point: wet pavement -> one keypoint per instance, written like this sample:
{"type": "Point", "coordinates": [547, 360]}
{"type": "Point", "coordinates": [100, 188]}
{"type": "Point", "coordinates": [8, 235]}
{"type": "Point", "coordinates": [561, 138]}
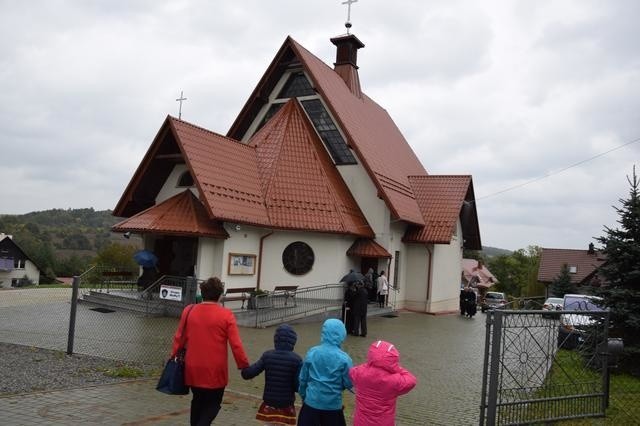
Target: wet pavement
{"type": "Point", "coordinates": [444, 352]}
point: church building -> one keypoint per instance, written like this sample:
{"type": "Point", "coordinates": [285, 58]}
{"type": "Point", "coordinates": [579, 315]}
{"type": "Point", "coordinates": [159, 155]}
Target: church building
{"type": "Point", "coordinates": [313, 179]}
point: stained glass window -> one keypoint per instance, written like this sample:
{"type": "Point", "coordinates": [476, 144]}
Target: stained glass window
{"type": "Point", "coordinates": [297, 85]}
{"type": "Point", "coordinates": [328, 132]}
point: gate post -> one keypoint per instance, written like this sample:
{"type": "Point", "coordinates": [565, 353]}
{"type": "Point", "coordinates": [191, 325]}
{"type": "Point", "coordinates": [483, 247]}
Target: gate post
{"type": "Point", "coordinates": [494, 367]}
{"type": "Point", "coordinates": [605, 364]}
{"type": "Point", "coordinates": [485, 366]}
{"type": "Point", "coordinates": [72, 314]}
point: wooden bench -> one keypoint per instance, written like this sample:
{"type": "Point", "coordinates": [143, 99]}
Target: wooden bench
{"type": "Point", "coordinates": [241, 293]}
{"type": "Point", "coordinates": [289, 292]}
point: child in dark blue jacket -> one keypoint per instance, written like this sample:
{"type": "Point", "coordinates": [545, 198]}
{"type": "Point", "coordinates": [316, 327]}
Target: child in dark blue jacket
{"type": "Point", "coordinates": [282, 367]}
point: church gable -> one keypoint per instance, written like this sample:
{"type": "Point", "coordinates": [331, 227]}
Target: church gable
{"type": "Point", "coordinates": [153, 171]}
{"type": "Point", "coordinates": [353, 128]}
{"type": "Point", "coordinates": [301, 187]}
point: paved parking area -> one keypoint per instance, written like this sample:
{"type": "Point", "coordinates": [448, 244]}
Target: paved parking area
{"type": "Point", "coordinates": [444, 352]}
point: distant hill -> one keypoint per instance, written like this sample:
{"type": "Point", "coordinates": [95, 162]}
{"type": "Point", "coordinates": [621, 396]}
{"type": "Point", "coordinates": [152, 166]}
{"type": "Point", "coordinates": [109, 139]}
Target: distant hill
{"type": "Point", "coordinates": [494, 251]}
{"type": "Point", "coordinates": [63, 242]}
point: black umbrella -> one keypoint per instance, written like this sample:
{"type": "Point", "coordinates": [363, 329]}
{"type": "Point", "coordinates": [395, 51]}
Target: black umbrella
{"type": "Point", "coordinates": [352, 277]}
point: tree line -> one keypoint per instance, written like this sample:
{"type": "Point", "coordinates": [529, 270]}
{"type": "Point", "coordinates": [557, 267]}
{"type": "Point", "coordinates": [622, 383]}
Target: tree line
{"type": "Point", "coordinates": [66, 242]}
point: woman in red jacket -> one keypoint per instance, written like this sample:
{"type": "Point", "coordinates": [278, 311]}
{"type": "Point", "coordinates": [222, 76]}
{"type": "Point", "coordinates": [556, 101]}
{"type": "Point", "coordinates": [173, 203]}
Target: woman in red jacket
{"type": "Point", "coordinates": [209, 329]}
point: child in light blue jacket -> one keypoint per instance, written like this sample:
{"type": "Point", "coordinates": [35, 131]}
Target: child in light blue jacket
{"type": "Point", "coordinates": [323, 378]}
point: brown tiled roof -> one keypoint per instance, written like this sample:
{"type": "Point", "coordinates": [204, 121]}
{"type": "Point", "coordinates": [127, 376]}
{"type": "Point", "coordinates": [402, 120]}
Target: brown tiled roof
{"type": "Point", "coordinates": [552, 260]}
{"type": "Point", "coordinates": [301, 186]}
{"type": "Point", "coordinates": [441, 200]}
{"type": "Point", "coordinates": [372, 134]}
{"type": "Point", "coordinates": [182, 214]}
{"type": "Point", "coordinates": [226, 173]}
{"type": "Point", "coordinates": [368, 128]}
{"type": "Point", "coordinates": [366, 247]}
{"type": "Point", "coordinates": [282, 179]}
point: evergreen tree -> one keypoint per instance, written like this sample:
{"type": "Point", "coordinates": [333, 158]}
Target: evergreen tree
{"type": "Point", "coordinates": [562, 284]}
{"type": "Point", "coordinates": [621, 275]}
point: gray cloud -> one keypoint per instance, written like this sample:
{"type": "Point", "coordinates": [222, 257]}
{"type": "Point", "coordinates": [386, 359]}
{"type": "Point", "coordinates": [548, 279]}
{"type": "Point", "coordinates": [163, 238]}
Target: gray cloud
{"type": "Point", "coordinates": [505, 91]}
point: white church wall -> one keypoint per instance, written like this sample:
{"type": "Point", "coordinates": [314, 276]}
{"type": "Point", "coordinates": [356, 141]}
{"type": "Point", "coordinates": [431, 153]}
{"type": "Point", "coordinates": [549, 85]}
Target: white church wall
{"type": "Point", "coordinates": [365, 194]}
{"type": "Point", "coordinates": [447, 267]}
{"type": "Point", "coordinates": [417, 278]}
{"type": "Point", "coordinates": [209, 261]}
{"type": "Point", "coordinates": [395, 268]}
{"type": "Point", "coordinates": [244, 240]}
{"type": "Point", "coordinates": [170, 187]}
{"type": "Point", "coordinates": [331, 261]}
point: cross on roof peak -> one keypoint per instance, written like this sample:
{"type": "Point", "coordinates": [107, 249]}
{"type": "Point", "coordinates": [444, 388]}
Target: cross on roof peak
{"type": "Point", "coordinates": [180, 99]}
{"type": "Point", "coordinates": [348, 3]}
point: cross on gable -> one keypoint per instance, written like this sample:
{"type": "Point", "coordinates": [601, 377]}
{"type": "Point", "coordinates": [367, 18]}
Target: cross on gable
{"type": "Point", "coordinates": [180, 99]}
{"type": "Point", "coordinates": [348, 3]}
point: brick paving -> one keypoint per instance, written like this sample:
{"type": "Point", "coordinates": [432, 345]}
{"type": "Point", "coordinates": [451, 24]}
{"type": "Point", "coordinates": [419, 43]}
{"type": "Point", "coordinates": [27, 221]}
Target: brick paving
{"type": "Point", "coordinates": [444, 352]}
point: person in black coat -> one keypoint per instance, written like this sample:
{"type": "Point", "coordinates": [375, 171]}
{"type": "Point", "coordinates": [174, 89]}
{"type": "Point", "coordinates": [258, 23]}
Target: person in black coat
{"type": "Point", "coordinates": [360, 302]}
{"type": "Point", "coordinates": [469, 301]}
{"type": "Point", "coordinates": [349, 300]}
{"type": "Point", "coordinates": [282, 368]}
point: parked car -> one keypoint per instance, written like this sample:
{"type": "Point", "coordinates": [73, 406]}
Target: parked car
{"type": "Point", "coordinates": [493, 300]}
{"type": "Point", "coordinates": [552, 304]}
{"type": "Point", "coordinates": [573, 328]}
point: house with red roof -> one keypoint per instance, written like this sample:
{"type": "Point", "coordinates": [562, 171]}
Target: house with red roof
{"type": "Point", "coordinates": [312, 179]}
{"type": "Point", "coordinates": [582, 266]}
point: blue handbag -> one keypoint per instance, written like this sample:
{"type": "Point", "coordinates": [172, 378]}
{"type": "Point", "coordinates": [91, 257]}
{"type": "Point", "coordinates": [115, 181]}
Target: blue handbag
{"type": "Point", "coordinates": [172, 379]}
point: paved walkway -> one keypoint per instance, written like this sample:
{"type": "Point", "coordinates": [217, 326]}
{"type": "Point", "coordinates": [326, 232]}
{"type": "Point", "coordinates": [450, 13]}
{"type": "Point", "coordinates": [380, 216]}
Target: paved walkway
{"type": "Point", "coordinates": [129, 403]}
{"type": "Point", "coordinates": [444, 352]}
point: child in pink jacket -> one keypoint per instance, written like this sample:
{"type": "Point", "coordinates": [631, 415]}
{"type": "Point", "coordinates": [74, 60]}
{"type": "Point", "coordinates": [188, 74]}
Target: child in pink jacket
{"type": "Point", "coordinates": [378, 384]}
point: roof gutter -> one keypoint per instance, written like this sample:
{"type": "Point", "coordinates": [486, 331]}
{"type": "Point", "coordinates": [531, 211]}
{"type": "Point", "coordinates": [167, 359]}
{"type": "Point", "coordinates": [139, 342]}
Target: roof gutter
{"type": "Point", "coordinates": [260, 258]}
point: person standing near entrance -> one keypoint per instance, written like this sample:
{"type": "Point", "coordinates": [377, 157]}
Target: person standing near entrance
{"type": "Point", "coordinates": [383, 290]}
{"type": "Point", "coordinates": [360, 302]}
{"type": "Point", "coordinates": [370, 284]}
{"type": "Point", "coordinates": [210, 328]}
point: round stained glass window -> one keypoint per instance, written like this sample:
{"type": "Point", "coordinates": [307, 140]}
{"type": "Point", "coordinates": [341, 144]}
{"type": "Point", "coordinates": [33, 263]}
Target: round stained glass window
{"type": "Point", "coordinates": [298, 258]}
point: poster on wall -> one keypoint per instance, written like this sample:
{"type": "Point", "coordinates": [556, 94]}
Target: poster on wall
{"type": "Point", "coordinates": [242, 264]}
{"type": "Point", "coordinates": [169, 292]}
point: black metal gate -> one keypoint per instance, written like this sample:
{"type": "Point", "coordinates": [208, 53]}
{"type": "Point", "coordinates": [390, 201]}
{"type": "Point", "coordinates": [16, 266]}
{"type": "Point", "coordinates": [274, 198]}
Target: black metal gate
{"type": "Point", "coordinates": [544, 366]}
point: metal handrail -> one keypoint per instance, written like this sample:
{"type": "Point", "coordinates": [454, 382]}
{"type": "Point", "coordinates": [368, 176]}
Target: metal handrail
{"type": "Point", "coordinates": [283, 305]}
{"type": "Point", "coordinates": [93, 280]}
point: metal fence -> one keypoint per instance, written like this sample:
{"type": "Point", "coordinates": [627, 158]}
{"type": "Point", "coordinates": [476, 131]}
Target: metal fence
{"type": "Point", "coordinates": [280, 305]}
{"type": "Point", "coordinates": [41, 317]}
{"type": "Point", "coordinates": [115, 319]}
{"type": "Point", "coordinates": [537, 370]}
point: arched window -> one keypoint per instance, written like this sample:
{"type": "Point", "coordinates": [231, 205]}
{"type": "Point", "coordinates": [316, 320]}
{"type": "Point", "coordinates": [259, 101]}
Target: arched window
{"type": "Point", "coordinates": [186, 180]}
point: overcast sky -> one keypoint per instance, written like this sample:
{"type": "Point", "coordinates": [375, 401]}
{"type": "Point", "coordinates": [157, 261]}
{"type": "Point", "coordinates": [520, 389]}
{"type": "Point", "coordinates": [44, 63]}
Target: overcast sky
{"type": "Point", "coordinates": [507, 91]}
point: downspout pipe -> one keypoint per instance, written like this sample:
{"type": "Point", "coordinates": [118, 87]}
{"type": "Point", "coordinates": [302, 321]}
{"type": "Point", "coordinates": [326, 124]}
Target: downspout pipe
{"type": "Point", "coordinates": [260, 258]}
{"type": "Point", "coordinates": [429, 273]}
